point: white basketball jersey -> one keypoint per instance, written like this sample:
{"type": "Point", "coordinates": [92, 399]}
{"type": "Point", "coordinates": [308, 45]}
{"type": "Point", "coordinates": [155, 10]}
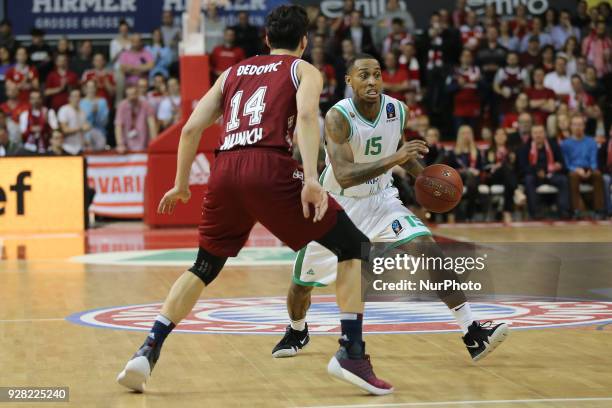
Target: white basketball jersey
{"type": "Point", "coordinates": [369, 141]}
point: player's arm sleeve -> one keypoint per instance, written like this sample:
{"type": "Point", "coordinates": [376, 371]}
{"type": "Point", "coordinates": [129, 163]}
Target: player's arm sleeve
{"type": "Point", "coordinates": [206, 112]}
{"type": "Point", "coordinates": [307, 125]}
{"type": "Point", "coordinates": [347, 172]}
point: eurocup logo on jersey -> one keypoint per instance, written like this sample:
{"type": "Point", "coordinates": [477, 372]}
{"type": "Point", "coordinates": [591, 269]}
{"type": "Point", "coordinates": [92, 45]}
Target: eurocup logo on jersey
{"type": "Point", "coordinates": [390, 111]}
{"type": "Point", "coordinates": [396, 225]}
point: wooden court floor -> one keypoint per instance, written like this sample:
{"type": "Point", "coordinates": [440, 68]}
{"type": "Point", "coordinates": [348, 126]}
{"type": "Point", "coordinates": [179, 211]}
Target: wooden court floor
{"type": "Point", "coordinates": [40, 287]}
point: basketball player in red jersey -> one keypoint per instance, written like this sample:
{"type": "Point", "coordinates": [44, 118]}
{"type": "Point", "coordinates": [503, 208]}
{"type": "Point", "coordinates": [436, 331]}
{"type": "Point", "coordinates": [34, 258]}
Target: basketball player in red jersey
{"type": "Point", "coordinates": [254, 179]}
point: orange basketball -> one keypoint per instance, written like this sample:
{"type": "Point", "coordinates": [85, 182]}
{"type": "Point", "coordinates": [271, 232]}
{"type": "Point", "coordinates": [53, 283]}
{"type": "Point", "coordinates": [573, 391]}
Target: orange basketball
{"type": "Point", "coordinates": [439, 188]}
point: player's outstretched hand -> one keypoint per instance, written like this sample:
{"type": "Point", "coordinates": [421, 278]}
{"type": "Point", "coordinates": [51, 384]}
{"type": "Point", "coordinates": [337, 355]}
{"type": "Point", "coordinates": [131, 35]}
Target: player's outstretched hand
{"type": "Point", "coordinates": [414, 149]}
{"type": "Point", "coordinates": [168, 202]}
{"type": "Point", "coordinates": [313, 193]}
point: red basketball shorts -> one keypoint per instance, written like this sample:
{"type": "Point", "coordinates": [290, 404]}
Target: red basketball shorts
{"type": "Point", "coordinates": [257, 185]}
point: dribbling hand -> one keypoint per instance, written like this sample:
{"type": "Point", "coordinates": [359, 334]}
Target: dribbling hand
{"type": "Point", "coordinates": [414, 149]}
{"type": "Point", "coordinates": [168, 202]}
{"type": "Point", "coordinates": [313, 193]}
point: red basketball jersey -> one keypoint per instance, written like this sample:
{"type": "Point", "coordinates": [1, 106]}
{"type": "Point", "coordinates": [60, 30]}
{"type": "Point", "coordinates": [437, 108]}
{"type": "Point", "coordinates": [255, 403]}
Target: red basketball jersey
{"type": "Point", "coordinates": [259, 106]}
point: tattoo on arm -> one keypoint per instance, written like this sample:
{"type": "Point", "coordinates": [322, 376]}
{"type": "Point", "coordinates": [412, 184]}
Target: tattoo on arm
{"type": "Point", "coordinates": [347, 172]}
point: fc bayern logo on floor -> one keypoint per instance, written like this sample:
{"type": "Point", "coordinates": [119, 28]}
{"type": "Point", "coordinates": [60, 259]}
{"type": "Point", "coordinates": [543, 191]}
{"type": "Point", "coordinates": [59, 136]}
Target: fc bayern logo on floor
{"type": "Point", "coordinates": [268, 315]}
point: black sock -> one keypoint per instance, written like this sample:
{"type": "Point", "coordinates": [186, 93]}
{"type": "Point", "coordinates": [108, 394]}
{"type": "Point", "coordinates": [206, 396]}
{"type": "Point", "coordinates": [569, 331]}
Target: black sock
{"type": "Point", "coordinates": [160, 330]}
{"type": "Point", "coordinates": [352, 334]}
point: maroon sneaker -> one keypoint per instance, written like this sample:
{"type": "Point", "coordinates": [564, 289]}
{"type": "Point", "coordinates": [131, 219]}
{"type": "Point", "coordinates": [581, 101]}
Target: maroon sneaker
{"type": "Point", "coordinates": [358, 372]}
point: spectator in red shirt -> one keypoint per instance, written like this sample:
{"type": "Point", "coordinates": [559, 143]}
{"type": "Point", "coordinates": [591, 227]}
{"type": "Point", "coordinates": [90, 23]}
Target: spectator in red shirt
{"type": "Point", "coordinates": [395, 80]}
{"type": "Point", "coordinates": [490, 17]}
{"type": "Point", "coordinates": [464, 83]}
{"type": "Point", "coordinates": [103, 77]}
{"type": "Point", "coordinates": [13, 106]}
{"type": "Point", "coordinates": [36, 124]}
{"type": "Point", "coordinates": [580, 101]}
{"type": "Point", "coordinates": [414, 108]}
{"type": "Point", "coordinates": [521, 23]}
{"type": "Point", "coordinates": [23, 75]}
{"type": "Point", "coordinates": [471, 32]}
{"type": "Point", "coordinates": [409, 62]}
{"type": "Point", "coordinates": [413, 112]}
{"type": "Point", "coordinates": [459, 13]}
{"type": "Point", "coordinates": [531, 57]}
{"type": "Point", "coordinates": [226, 55]}
{"type": "Point", "coordinates": [547, 58]}
{"type": "Point", "coordinates": [521, 105]}
{"type": "Point", "coordinates": [510, 81]}
{"type": "Point", "coordinates": [398, 33]}
{"type": "Point", "coordinates": [60, 82]}
{"type": "Point", "coordinates": [329, 79]}
{"type": "Point", "coordinates": [541, 99]}
{"type": "Point", "coordinates": [597, 48]}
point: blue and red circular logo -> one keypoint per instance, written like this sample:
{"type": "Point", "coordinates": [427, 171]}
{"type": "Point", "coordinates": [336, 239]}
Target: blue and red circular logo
{"type": "Point", "coordinates": [268, 315]}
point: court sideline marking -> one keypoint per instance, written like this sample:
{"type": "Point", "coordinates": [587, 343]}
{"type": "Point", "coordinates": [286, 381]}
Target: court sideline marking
{"type": "Point", "coordinates": [477, 402]}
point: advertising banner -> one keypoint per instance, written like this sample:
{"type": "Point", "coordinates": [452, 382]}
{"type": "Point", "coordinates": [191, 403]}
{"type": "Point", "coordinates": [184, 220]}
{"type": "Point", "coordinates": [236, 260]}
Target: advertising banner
{"type": "Point", "coordinates": [119, 184]}
{"type": "Point", "coordinates": [421, 11]}
{"type": "Point", "coordinates": [41, 194]}
{"type": "Point", "coordinates": [100, 18]}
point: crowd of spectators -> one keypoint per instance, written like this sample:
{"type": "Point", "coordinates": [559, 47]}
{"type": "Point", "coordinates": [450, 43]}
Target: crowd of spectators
{"type": "Point", "coordinates": [73, 97]}
{"type": "Point", "coordinates": [519, 101]}
{"type": "Point", "coordinates": [520, 105]}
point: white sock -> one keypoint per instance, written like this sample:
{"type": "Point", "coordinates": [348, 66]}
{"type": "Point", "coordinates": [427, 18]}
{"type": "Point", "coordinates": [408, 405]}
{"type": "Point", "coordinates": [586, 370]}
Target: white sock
{"type": "Point", "coordinates": [348, 316]}
{"type": "Point", "coordinates": [463, 316]}
{"type": "Point", "coordinates": [298, 325]}
{"type": "Point", "coordinates": [163, 319]}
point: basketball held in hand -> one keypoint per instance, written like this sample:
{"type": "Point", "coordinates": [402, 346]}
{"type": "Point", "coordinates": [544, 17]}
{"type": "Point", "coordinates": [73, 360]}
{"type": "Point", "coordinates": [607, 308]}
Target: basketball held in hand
{"type": "Point", "coordinates": [439, 188]}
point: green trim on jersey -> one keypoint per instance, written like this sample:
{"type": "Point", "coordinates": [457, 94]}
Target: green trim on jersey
{"type": "Point", "coordinates": [364, 120]}
{"type": "Point", "coordinates": [347, 116]}
{"type": "Point", "coordinates": [402, 116]}
{"type": "Point", "coordinates": [322, 177]}
{"type": "Point", "coordinates": [297, 271]}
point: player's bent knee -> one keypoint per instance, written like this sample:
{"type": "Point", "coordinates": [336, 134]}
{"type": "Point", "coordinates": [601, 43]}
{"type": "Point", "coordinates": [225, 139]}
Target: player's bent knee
{"type": "Point", "coordinates": [207, 266]}
{"type": "Point", "coordinates": [346, 241]}
{"type": "Point", "coordinates": [300, 290]}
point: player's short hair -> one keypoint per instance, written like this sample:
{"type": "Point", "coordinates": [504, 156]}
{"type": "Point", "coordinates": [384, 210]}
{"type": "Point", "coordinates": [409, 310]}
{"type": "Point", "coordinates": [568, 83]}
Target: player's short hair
{"type": "Point", "coordinates": [286, 26]}
{"type": "Point", "coordinates": [351, 63]}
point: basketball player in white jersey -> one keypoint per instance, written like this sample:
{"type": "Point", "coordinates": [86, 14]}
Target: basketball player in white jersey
{"type": "Point", "coordinates": [363, 138]}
